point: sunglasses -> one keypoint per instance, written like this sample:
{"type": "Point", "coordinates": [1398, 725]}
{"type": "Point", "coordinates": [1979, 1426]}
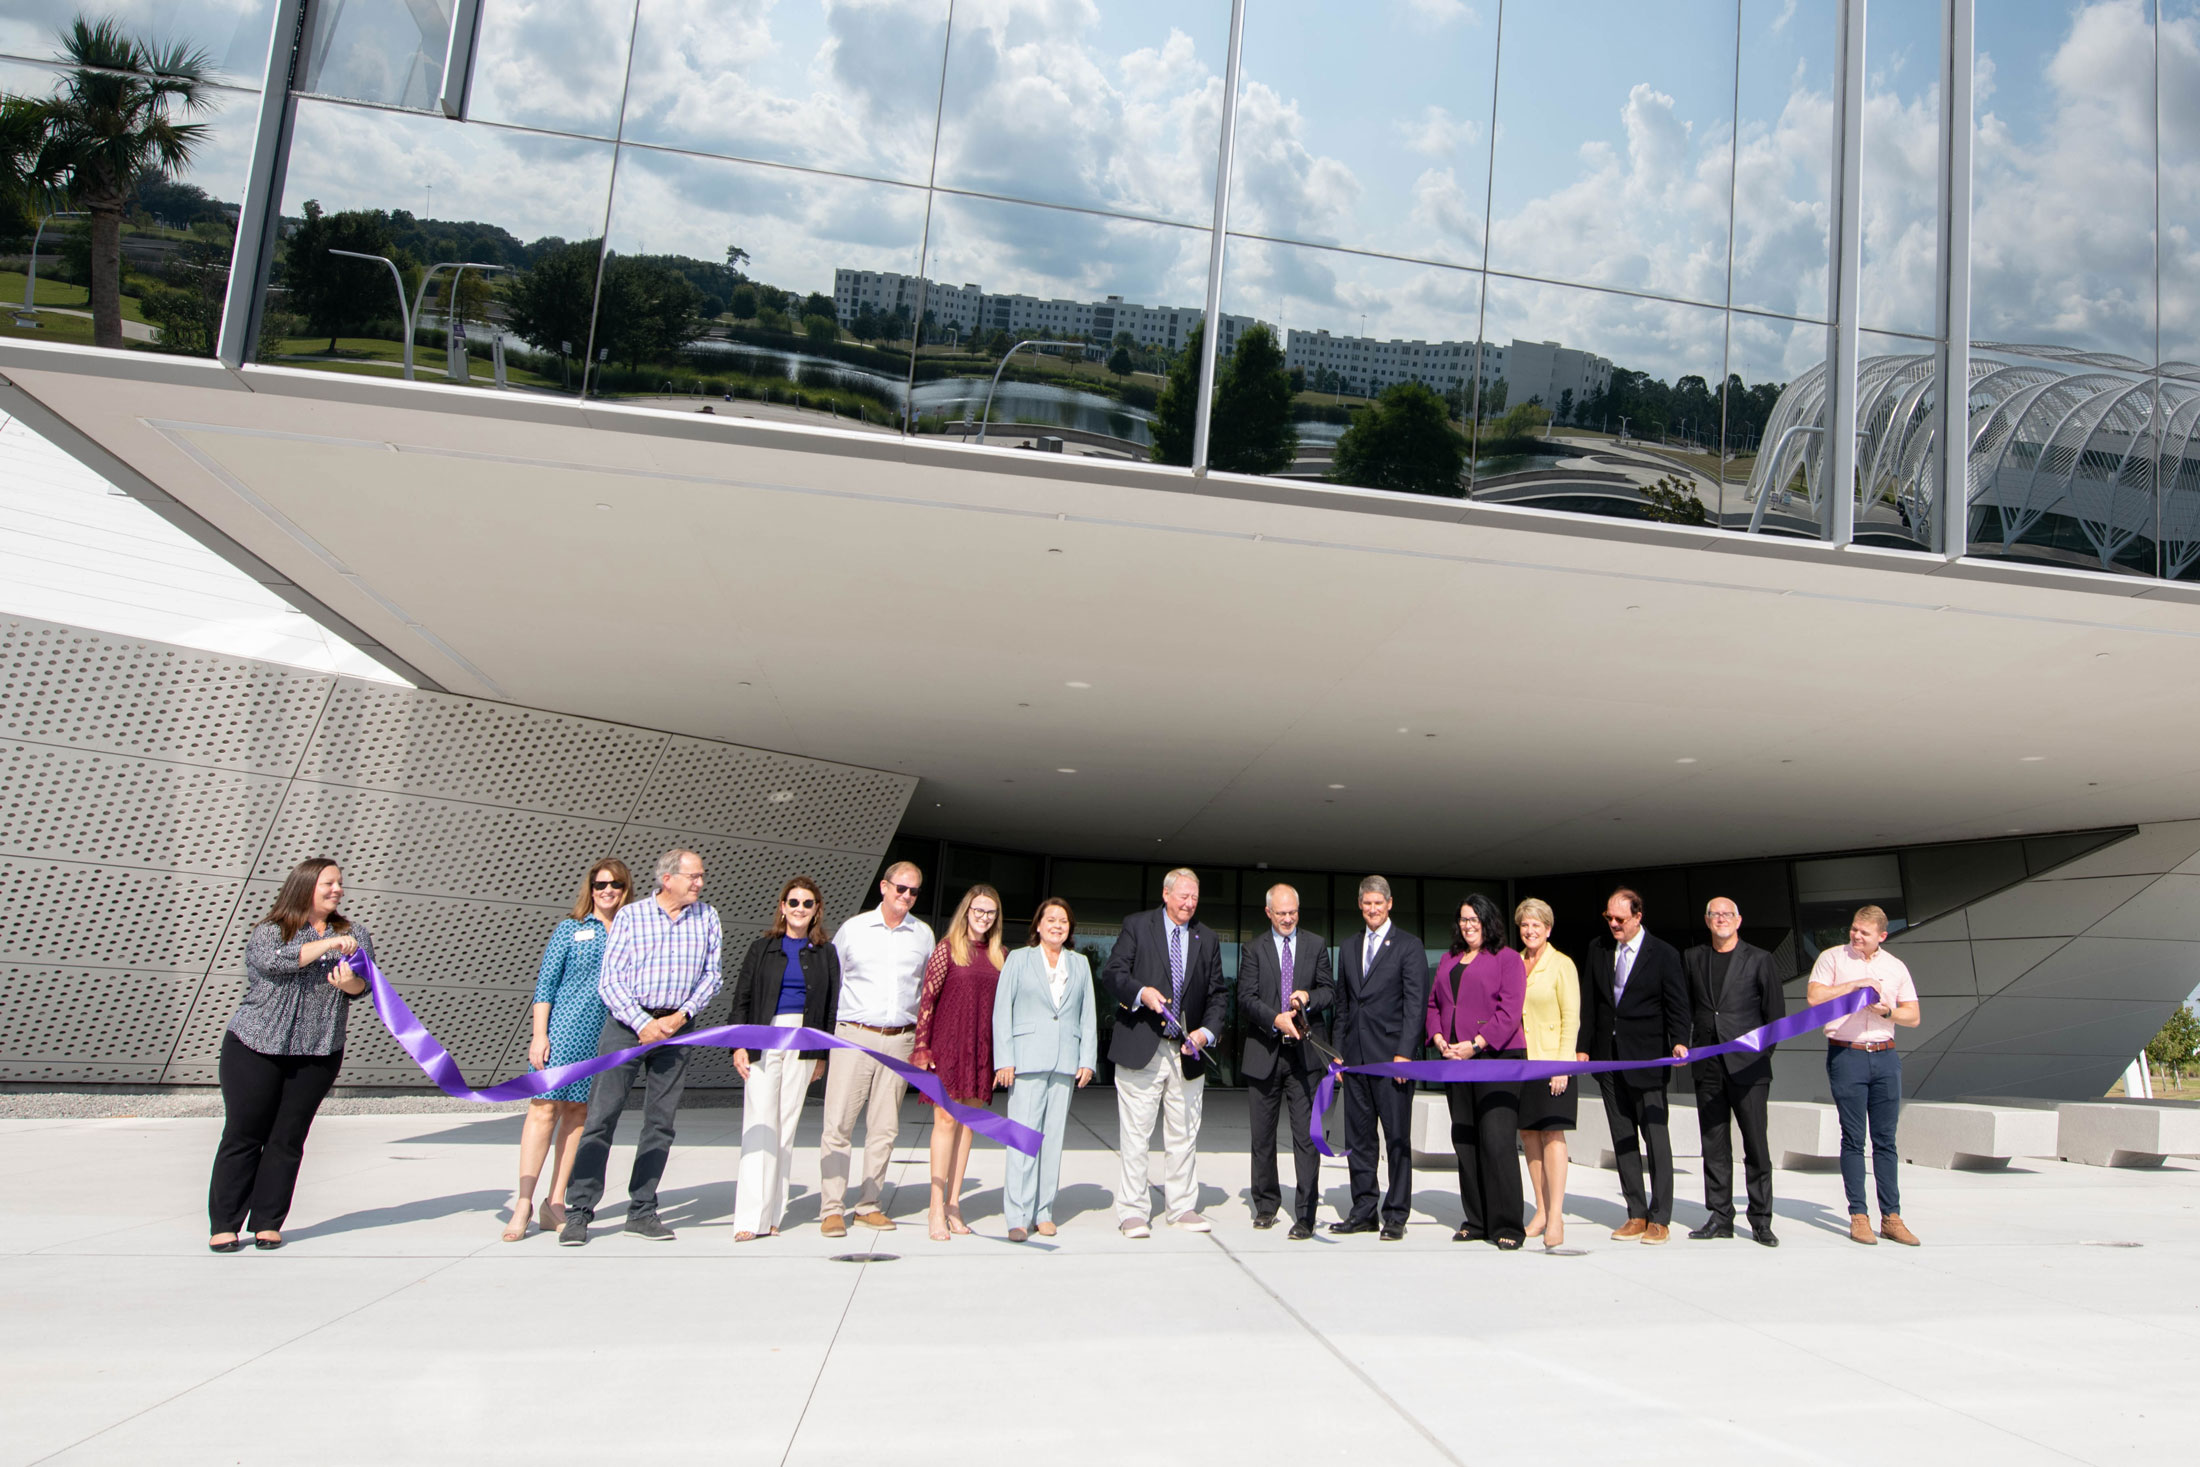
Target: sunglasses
{"type": "Point", "coordinates": [907, 891]}
{"type": "Point", "coordinates": [608, 885]}
{"type": "Point", "coordinates": [802, 904]}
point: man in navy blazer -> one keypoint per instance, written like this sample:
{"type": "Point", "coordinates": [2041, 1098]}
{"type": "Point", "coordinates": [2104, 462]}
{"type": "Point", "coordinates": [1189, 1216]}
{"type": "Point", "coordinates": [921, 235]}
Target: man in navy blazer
{"type": "Point", "coordinates": [1382, 1002]}
{"type": "Point", "coordinates": [1164, 962]}
{"type": "Point", "coordinates": [1634, 1006]}
{"type": "Point", "coordinates": [1283, 981]}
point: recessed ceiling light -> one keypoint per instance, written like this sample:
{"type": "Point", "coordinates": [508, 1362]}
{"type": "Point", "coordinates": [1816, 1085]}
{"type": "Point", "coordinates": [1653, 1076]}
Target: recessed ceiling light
{"type": "Point", "coordinates": [1076, 685]}
{"type": "Point", "coordinates": [2102, 656]}
{"type": "Point", "coordinates": [1401, 730]}
{"type": "Point", "coordinates": [2032, 759]}
{"type": "Point", "coordinates": [1023, 705]}
{"type": "Point", "coordinates": [1634, 608]}
{"type": "Point", "coordinates": [1685, 759]}
{"type": "Point", "coordinates": [1336, 786]}
{"type": "Point", "coordinates": [606, 506]}
{"type": "Point", "coordinates": [1065, 771]}
{"type": "Point", "coordinates": [2016, 830]}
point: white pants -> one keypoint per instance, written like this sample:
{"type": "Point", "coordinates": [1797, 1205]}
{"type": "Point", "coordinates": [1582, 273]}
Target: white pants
{"type": "Point", "coordinates": [771, 1108]}
{"type": "Point", "coordinates": [1159, 1086]}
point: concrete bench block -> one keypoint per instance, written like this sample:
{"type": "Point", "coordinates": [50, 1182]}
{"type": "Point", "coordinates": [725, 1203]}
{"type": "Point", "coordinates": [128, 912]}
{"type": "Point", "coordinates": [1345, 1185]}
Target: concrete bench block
{"type": "Point", "coordinates": [2101, 1134]}
{"type": "Point", "coordinates": [1805, 1135]}
{"type": "Point", "coordinates": [1974, 1137]}
{"type": "Point", "coordinates": [1431, 1130]}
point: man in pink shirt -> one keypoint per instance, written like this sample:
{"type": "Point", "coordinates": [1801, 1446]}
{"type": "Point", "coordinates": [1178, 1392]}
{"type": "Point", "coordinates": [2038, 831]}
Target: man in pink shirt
{"type": "Point", "coordinates": [1864, 1069]}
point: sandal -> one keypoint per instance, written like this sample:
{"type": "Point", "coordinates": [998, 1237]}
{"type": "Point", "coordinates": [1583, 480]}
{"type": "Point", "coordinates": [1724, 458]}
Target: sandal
{"type": "Point", "coordinates": [938, 1230]}
{"type": "Point", "coordinates": [744, 1237]}
{"type": "Point", "coordinates": [553, 1217]}
{"type": "Point", "coordinates": [1044, 1229]}
{"type": "Point", "coordinates": [955, 1224]}
{"type": "Point", "coordinates": [517, 1228]}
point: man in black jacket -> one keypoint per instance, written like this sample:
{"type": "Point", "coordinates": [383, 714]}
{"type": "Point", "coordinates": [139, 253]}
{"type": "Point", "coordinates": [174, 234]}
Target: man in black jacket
{"type": "Point", "coordinates": [1382, 1016]}
{"type": "Point", "coordinates": [1634, 1006]}
{"type": "Point", "coordinates": [1283, 981]}
{"type": "Point", "coordinates": [1163, 964]}
{"type": "Point", "coordinates": [1733, 989]}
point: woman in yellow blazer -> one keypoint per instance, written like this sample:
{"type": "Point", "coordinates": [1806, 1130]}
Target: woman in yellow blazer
{"type": "Point", "coordinates": [1551, 1021]}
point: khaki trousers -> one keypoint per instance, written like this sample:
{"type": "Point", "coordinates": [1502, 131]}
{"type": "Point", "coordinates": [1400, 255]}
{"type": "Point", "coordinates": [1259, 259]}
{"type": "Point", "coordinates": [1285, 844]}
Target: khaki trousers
{"type": "Point", "coordinates": [858, 1087]}
{"type": "Point", "coordinates": [1158, 1088]}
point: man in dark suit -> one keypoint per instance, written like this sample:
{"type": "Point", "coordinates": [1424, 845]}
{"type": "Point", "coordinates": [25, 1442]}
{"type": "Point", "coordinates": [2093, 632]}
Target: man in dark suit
{"type": "Point", "coordinates": [1283, 980]}
{"type": "Point", "coordinates": [1634, 1006]}
{"type": "Point", "coordinates": [1733, 989]}
{"type": "Point", "coordinates": [1164, 961]}
{"type": "Point", "coordinates": [1382, 1003]}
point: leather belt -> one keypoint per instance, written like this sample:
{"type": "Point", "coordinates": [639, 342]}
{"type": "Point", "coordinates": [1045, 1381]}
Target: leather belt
{"type": "Point", "coordinates": [1870, 1047]}
{"type": "Point", "coordinates": [898, 1029]}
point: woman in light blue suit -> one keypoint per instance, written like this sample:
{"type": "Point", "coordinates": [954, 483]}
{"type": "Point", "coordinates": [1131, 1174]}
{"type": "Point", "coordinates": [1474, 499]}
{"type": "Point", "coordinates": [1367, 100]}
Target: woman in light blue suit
{"type": "Point", "coordinates": [1046, 1033]}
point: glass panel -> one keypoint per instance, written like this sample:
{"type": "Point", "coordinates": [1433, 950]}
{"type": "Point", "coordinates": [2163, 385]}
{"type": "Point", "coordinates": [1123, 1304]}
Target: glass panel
{"type": "Point", "coordinates": [1898, 438]}
{"type": "Point", "coordinates": [1772, 404]}
{"type": "Point", "coordinates": [176, 230]}
{"type": "Point", "coordinates": [1355, 328]}
{"type": "Point", "coordinates": [1897, 276]}
{"type": "Point", "coordinates": [1642, 437]}
{"type": "Point", "coordinates": [531, 204]}
{"type": "Point", "coordinates": [2180, 188]}
{"type": "Point", "coordinates": [2063, 462]}
{"type": "Point", "coordinates": [1828, 892]}
{"type": "Point", "coordinates": [559, 65]}
{"type": "Point", "coordinates": [1615, 126]}
{"type": "Point", "coordinates": [758, 251]}
{"type": "Point", "coordinates": [1115, 107]}
{"type": "Point", "coordinates": [1124, 294]}
{"type": "Point", "coordinates": [852, 88]}
{"type": "Point", "coordinates": [1783, 170]}
{"type": "Point", "coordinates": [389, 51]}
{"type": "Point", "coordinates": [1442, 898]}
{"type": "Point", "coordinates": [1313, 890]}
{"type": "Point", "coordinates": [2063, 211]}
{"type": "Point", "coordinates": [1373, 134]}
{"type": "Point", "coordinates": [231, 33]}
{"type": "Point", "coordinates": [1013, 874]}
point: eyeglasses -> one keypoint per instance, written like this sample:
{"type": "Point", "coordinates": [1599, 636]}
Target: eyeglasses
{"type": "Point", "coordinates": [802, 904]}
{"type": "Point", "coordinates": [985, 911]}
{"type": "Point", "coordinates": [907, 891]}
{"type": "Point", "coordinates": [1615, 921]}
{"type": "Point", "coordinates": [608, 885]}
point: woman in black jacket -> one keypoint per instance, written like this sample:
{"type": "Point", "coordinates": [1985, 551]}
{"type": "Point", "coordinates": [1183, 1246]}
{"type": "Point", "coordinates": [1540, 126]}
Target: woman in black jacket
{"type": "Point", "coordinates": [790, 978]}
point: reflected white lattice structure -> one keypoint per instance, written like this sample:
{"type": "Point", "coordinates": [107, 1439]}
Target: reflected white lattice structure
{"type": "Point", "coordinates": [156, 795]}
{"type": "Point", "coordinates": [2084, 436]}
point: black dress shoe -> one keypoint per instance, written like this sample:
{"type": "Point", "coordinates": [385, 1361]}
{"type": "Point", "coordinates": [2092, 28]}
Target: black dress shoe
{"type": "Point", "coordinates": [1265, 1220]}
{"type": "Point", "coordinates": [1765, 1236]}
{"type": "Point", "coordinates": [234, 1245]}
{"type": "Point", "coordinates": [1300, 1232]}
{"type": "Point", "coordinates": [1393, 1232]}
{"type": "Point", "coordinates": [1349, 1226]}
{"type": "Point", "coordinates": [1468, 1233]}
{"type": "Point", "coordinates": [267, 1245]}
{"type": "Point", "coordinates": [1712, 1228]}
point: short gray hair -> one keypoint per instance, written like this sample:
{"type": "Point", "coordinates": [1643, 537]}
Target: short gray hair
{"type": "Point", "coordinates": [1178, 877]}
{"type": "Point", "coordinates": [1375, 884]}
{"type": "Point", "coordinates": [1269, 901]}
{"type": "Point", "coordinates": [668, 864]}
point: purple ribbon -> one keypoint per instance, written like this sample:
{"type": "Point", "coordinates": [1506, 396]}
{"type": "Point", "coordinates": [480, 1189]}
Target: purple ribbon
{"type": "Point", "coordinates": [1168, 1011]}
{"type": "Point", "coordinates": [1487, 1071]}
{"type": "Point", "coordinates": [428, 1052]}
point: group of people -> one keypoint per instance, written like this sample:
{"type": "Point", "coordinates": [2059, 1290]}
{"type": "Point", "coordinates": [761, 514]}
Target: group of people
{"type": "Point", "coordinates": [982, 1018]}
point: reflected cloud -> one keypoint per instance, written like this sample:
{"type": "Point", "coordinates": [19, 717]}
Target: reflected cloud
{"type": "Point", "coordinates": [559, 65]}
{"type": "Point", "coordinates": [233, 33]}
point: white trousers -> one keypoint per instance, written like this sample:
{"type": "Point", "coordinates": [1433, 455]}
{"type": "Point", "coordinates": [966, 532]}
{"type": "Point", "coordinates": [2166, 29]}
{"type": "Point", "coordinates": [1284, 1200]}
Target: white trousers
{"type": "Point", "coordinates": [1158, 1087]}
{"type": "Point", "coordinates": [771, 1108]}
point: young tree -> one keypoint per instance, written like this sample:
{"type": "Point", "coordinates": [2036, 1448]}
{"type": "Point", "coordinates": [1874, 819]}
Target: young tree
{"type": "Point", "coordinates": [1565, 406]}
{"type": "Point", "coordinates": [2177, 1046]}
{"type": "Point", "coordinates": [340, 297]}
{"type": "Point", "coordinates": [1119, 362]}
{"type": "Point", "coordinates": [1403, 441]}
{"type": "Point", "coordinates": [1179, 402]}
{"type": "Point", "coordinates": [1494, 395]}
{"type": "Point", "coordinates": [112, 127]}
{"type": "Point", "coordinates": [1251, 431]}
{"type": "Point", "coordinates": [822, 330]}
{"type": "Point", "coordinates": [550, 303]}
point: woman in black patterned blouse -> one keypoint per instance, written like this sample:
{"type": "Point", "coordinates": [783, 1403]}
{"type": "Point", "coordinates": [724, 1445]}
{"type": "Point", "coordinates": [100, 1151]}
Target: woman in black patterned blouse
{"type": "Point", "coordinates": [283, 1049]}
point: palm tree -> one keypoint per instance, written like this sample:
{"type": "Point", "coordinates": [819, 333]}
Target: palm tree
{"type": "Point", "coordinates": [22, 134]}
{"type": "Point", "coordinates": [112, 128]}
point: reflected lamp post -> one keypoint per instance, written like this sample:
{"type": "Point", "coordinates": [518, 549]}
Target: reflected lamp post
{"type": "Point", "coordinates": [30, 274]}
{"type": "Point", "coordinates": [987, 416]}
{"type": "Point", "coordinates": [409, 314]}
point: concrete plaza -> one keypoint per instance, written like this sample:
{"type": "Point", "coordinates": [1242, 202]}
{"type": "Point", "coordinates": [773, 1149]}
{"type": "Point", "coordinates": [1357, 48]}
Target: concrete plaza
{"type": "Point", "coordinates": [2053, 1315]}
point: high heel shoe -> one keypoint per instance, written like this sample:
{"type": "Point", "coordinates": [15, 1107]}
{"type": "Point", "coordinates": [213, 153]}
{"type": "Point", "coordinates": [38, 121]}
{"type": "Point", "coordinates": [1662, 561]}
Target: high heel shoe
{"type": "Point", "coordinates": [517, 1228]}
{"type": "Point", "coordinates": [234, 1245]}
{"type": "Point", "coordinates": [938, 1229]}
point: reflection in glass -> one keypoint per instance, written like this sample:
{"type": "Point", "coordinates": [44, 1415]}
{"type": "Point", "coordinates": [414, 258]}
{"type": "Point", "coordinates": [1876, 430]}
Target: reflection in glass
{"type": "Point", "coordinates": [2063, 462]}
{"type": "Point", "coordinates": [559, 65]}
{"type": "Point", "coordinates": [388, 51]}
{"type": "Point", "coordinates": [232, 33]}
{"type": "Point", "coordinates": [2180, 184]}
{"type": "Point", "coordinates": [853, 88]}
{"type": "Point", "coordinates": [1612, 407]}
{"type": "Point", "coordinates": [1615, 129]}
{"type": "Point", "coordinates": [1771, 412]}
{"type": "Point", "coordinates": [1126, 295]}
{"type": "Point", "coordinates": [1901, 169]}
{"type": "Point", "coordinates": [1896, 467]}
{"type": "Point", "coordinates": [428, 195]}
{"type": "Point", "coordinates": [728, 279]}
{"type": "Point", "coordinates": [1783, 178]}
{"type": "Point", "coordinates": [2062, 232]}
{"type": "Point", "coordinates": [1115, 107]}
{"type": "Point", "coordinates": [1373, 135]}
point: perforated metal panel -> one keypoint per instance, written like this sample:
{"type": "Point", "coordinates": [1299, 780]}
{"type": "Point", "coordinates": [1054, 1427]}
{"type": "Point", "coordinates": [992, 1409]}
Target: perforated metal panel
{"type": "Point", "coordinates": [155, 797]}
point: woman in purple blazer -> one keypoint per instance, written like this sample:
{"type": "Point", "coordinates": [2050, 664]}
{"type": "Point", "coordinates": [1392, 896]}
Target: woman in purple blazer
{"type": "Point", "coordinates": [1474, 1013]}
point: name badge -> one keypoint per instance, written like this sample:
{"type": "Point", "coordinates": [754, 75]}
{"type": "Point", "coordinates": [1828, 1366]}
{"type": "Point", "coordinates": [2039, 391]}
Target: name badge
{"type": "Point", "coordinates": [586, 934]}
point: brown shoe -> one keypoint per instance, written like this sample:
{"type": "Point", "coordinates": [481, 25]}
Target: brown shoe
{"type": "Point", "coordinates": [876, 1219]}
{"type": "Point", "coordinates": [1894, 1230]}
{"type": "Point", "coordinates": [1636, 1227]}
{"type": "Point", "coordinates": [834, 1226]}
{"type": "Point", "coordinates": [1656, 1233]}
{"type": "Point", "coordinates": [1860, 1229]}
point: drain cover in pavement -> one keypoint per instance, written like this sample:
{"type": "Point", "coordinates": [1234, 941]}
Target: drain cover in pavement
{"type": "Point", "coordinates": [866, 1257]}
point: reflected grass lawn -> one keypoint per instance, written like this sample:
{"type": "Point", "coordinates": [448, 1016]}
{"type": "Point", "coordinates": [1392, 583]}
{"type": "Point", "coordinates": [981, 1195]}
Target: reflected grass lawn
{"type": "Point", "coordinates": [53, 292]}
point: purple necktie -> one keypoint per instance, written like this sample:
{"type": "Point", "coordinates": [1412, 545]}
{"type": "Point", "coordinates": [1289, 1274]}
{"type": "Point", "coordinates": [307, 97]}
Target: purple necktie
{"type": "Point", "coordinates": [1283, 996]}
{"type": "Point", "coordinates": [1176, 966]}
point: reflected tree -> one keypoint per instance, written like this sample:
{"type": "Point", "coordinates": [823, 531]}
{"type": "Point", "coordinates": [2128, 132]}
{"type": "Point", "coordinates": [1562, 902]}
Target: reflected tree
{"type": "Point", "coordinates": [340, 297]}
{"type": "Point", "coordinates": [1252, 432]}
{"type": "Point", "coordinates": [1178, 406]}
{"type": "Point", "coordinates": [550, 303]}
{"type": "Point", "coordinates": [1403, 441]}
{"type": "Point", "coordinates": [646, 308]}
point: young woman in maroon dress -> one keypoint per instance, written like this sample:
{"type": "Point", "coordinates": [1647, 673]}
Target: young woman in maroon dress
{"type": "Point", "coordinates": [955, 1040]}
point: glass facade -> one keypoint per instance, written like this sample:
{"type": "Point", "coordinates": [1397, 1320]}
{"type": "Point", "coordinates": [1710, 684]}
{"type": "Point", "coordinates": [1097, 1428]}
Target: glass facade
{"type": "Point", "coordinates": [1575, 255]}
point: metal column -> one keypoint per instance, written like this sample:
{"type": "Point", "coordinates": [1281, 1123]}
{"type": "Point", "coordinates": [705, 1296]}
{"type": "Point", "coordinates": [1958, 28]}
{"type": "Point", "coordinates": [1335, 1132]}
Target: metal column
{"type": "Point", "coordinates": [1838, 512]}
{"type": "Point", "coordinates": [1951, 533]}
{"type": "Point", "coordinates": [1210, 335]}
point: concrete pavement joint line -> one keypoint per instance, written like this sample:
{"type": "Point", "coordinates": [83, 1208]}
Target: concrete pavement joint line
{"type": "Point", "coordinates": [250, 1360]}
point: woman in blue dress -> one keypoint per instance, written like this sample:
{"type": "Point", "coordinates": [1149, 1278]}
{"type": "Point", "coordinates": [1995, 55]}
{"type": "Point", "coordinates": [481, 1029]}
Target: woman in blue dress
{"type": "Point", "coordinates": [569, 1015]}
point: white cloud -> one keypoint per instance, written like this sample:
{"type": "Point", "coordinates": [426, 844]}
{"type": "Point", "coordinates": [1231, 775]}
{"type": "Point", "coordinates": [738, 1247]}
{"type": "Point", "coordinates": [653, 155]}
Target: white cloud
{"type": "Point", "coordinates": [1441, 12]}
{"type": "Point", "coordinates": [1438, 134]}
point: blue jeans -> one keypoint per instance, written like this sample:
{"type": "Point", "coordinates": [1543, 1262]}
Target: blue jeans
{"type": "Point", "coordinates": [1867, 1090]}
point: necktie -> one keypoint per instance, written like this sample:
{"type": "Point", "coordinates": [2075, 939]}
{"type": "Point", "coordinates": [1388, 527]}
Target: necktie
{"type": "Point", "coordinates": [1623, 961]}
{"type": "Point", "coordinates": [1367, 955]}
{"type": "Point", "coordinates": [1283, 980]}
{"type": "Point", "coordinates": [1176, 967]}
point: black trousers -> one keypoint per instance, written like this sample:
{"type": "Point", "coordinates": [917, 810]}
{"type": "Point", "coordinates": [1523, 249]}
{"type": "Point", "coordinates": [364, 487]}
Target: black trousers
{"type": "Point", "coordinates": [1637, 1117]}
{"type": "Point", "coordinates": [1485, 1136]}
{"type": "Point", "coordinates": [1372, 1101]}
{"type": "Point", "coordinates": [1721, 1099]}
{"type": "Point", "coordinates": [268, 1101]}
{"type": "Point", "coordinates": [663, 1073]}
{"type": "Point", "coordinates": [1290, 1088]}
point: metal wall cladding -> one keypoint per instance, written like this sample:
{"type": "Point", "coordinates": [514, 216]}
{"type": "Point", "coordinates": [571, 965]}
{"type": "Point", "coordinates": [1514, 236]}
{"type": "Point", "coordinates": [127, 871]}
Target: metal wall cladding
{"type": "Point", "coordinates": [156, 796]}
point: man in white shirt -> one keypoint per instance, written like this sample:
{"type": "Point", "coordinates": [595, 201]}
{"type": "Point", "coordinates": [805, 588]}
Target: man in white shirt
{"type": "Point", "coordinates": [1864, 1069]}
{"type": "Point", "coordinates": [882, 957]}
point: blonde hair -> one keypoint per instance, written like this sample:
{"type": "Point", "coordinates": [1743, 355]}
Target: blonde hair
{"type": "Point", "coordinates": [958, 928]}
{"type": "Point", "coordinates": [1534, 909]}
{"type": "Point", "coordinates": [1876, 916]}
{"type": "Point", "coordinates": [586, 901]}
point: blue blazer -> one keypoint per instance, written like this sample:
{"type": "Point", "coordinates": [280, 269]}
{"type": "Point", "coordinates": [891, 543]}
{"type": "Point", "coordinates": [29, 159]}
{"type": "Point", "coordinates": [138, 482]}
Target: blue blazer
{"type": "Point", "coordinates": [1030, 1034]}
